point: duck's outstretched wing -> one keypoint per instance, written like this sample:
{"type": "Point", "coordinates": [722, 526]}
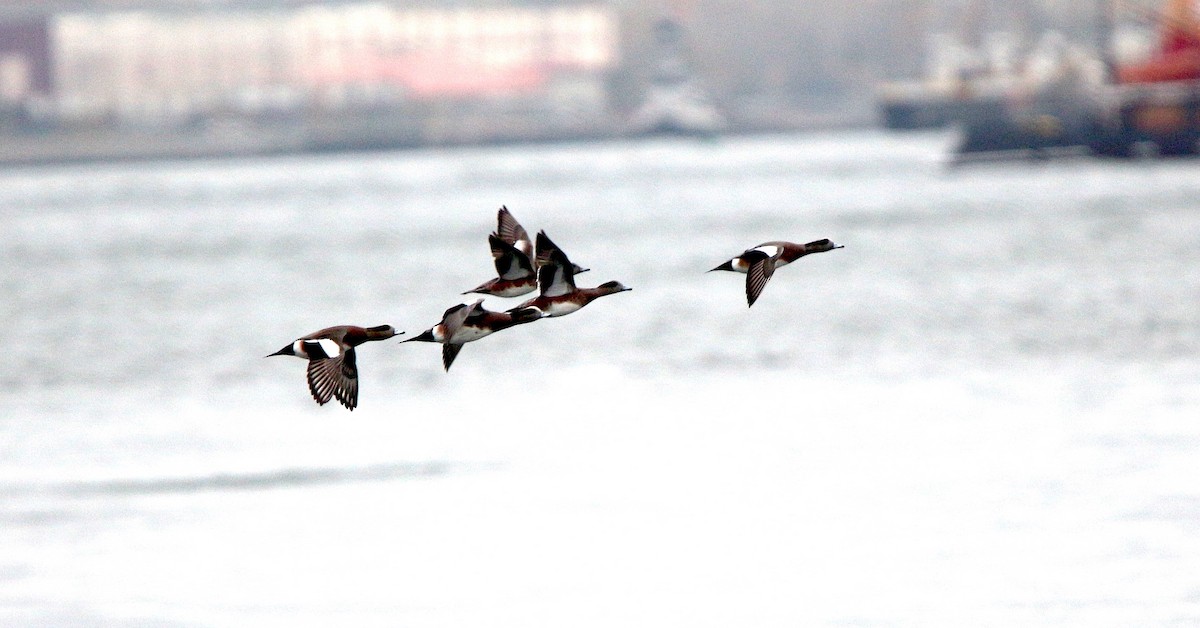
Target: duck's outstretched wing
{"type": "Point", "coordinates": [335, 377]}
{"type": "Point", "coordinates": [511, 262]}
{"type": "Point", "coordinates": [511, 231]}
{"type": "Point", "coordinates": [545, 250]}
{"type": "Point", "coordinates": [758, 274]}
{"type": "Point", "coordinates": [449, 352]}
{"type": "Point", "coordinates": [454, 317]}
{"type": "Point", "coordinates": [556, 277]}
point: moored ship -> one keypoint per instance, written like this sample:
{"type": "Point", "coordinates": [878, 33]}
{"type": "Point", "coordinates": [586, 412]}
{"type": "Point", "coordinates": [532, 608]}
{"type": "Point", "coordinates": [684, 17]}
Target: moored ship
{"type": "Point", "coordinates": [1151, 107]}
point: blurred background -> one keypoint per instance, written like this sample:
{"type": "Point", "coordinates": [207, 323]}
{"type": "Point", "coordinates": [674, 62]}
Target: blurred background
{"type": "Point", "coordinates": [981, 411]}
{"type": "Point", "coordinates": [120, 78]}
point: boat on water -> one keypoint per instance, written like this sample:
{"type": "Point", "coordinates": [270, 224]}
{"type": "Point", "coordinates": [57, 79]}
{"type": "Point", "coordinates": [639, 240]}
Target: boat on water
{"type": "Point", "coordinates": [675, 103]}
{"type": "Point", "coordinates": [960, 79]}
{"type": "Point", "coordinates": [1155, 104]}
{"type": "Point", "coordinates": [1146, 108]}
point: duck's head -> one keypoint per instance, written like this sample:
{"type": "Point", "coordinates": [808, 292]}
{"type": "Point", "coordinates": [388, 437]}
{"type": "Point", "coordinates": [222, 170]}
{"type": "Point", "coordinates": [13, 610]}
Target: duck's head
{"type": "Point", "coordinates": [611, 287]}
{"type": "Point", "coordinates": [822, 245]}
{"type": "Point", "coordinates": [382, 332]}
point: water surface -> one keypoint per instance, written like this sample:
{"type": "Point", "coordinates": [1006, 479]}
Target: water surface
{"type": "Point", "coordinates": [980, 412]}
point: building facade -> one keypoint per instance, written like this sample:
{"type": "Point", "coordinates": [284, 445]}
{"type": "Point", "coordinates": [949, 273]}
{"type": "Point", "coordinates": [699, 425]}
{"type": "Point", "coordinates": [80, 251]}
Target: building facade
{"type": "Point", "coordinates": [168, 67]}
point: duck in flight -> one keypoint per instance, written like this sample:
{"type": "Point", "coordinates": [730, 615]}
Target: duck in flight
{"type": "Point", "coordinates": [513, 256]}
{"type": "Point", "coordinates": [465, 323]}
{"type": "Point", "coordinates": [332, 365]}
{"type": "Point", "coordinates": [760, 262]}
{"type": "Point", "coordinates": [558, 294]}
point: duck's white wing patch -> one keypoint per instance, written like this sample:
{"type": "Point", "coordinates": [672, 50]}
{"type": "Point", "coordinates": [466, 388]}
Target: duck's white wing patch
{"type": "Point", "coordinates": [453, 319]}
{"type": "Point", "coordinates": [555, 280]}
{"type": "Point", "coordinates": [770, 250]}
{"type": "Point", "coordinates": [331, 348]}
{"type": "Point", "coordinates": [511, 263]}
{"type": "Point", "coordinates": [319, 348]}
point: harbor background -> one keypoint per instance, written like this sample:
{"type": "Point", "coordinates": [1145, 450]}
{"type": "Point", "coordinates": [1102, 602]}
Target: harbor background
{"type": "Point", "coordinates": [145, 78]}
{"type": "Point", "coordinates": [981, 411]}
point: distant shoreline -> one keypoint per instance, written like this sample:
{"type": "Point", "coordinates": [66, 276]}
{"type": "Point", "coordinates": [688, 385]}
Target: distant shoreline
{"type": "Point", "coordinates": [237, 138]}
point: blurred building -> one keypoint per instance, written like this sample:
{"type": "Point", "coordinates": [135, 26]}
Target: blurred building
{"type": "Point", "coordinates": [170, 65]}
{"type": "Point", "coordinates": [456, 70]}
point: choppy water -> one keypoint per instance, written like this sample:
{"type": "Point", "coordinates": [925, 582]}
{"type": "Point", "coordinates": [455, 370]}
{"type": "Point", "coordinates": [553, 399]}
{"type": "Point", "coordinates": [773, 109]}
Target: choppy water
{"type": "Point", "coordinates": [982, 411]}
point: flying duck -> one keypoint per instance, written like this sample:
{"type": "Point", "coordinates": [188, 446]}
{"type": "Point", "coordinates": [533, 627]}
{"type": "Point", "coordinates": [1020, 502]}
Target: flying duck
{"type": "Point", "coordinates": [332, 369]}
{"type": "Point", "coordinates": [558, 294]}
{"type": "Point", "coordinates": [465, 323]}
{"type": "Point", "coordinates": [760, 262]}
{"type": "Point", "coordinates": [513, 256]}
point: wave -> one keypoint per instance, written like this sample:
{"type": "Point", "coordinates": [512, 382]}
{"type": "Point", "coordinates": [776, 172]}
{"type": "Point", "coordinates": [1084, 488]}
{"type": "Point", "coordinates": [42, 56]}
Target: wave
{"type": "Point", "coordinates": [245, 481]}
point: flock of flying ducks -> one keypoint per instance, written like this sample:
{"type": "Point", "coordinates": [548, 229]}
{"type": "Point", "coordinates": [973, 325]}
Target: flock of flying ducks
{"type": "Point", "coordinates": [521, 268]}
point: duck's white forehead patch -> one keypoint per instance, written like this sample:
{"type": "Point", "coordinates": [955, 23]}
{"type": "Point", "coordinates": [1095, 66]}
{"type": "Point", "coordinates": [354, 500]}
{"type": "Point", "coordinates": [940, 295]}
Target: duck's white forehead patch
{"type": "Point", "coordinates": [770, 249]}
